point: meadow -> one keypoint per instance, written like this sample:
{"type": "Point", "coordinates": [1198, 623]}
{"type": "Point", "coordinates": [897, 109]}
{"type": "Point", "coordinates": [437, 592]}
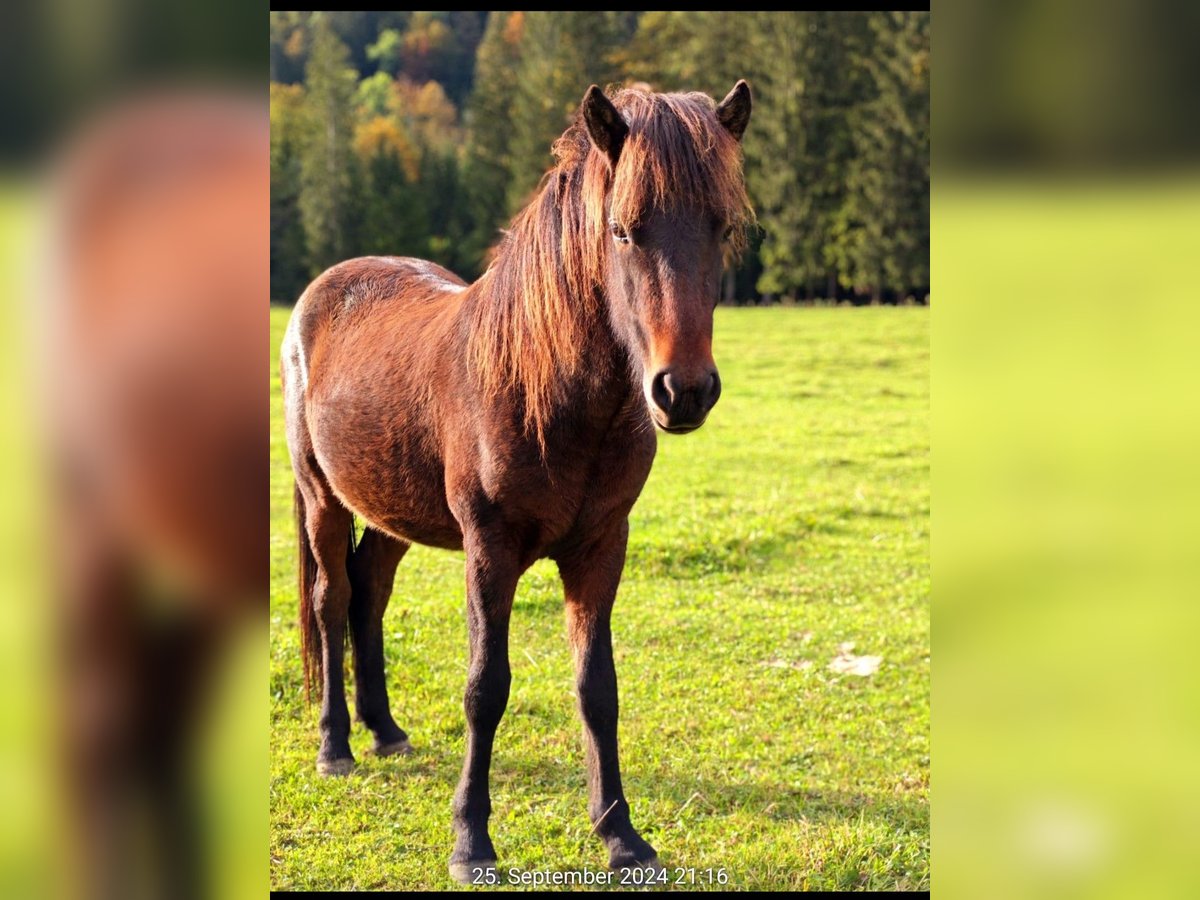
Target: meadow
{"type": "Point", "coordinates": [775, 557]}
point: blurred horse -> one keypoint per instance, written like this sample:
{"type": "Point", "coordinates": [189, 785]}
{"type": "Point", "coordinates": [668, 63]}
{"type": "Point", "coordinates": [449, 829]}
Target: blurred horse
{"type": "Point", "coordinates": [157, 319]}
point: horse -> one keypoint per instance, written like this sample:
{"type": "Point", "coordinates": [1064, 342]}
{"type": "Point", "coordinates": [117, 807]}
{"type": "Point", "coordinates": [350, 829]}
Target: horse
{"type": "Point", "coordinates": [516, 419]}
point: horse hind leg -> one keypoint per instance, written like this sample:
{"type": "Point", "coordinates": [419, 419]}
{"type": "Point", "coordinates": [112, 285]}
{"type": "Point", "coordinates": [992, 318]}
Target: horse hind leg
{"type": "Point", "coordinates": [326, 542]}
{"type": "Point", "coordinates": [372, 574]}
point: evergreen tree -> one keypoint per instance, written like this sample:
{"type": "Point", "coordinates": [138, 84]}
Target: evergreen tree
{"type": "Point", "coordinates": [690, 51]}
{"type": "Point", "coordinates": [288, 252]}
{"type": "Point", "coordinates": [456, 70]}
{"type": "Point", "coordinates": [888, 181]}
{"type": "Point", "coordinates": [486, 163]}
{"type": "Point", "coordinates": [328, 172]}
{"type": "Point", "coordinates": [370, 154]}
{"type": "Point", "coordinates": [561, 54]}
{"type": "Point", "coordinates": [448, 222]}
{"type": "Point", "coordinates": [395, 221]}
{"type": "Point", "coordinates": [800, 148]}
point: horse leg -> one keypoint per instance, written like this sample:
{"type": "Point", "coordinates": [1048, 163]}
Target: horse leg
{"type": "Point", "coordinates": [372, 573]}
{"type": "Point", "coordinates": [99, 678]}
{"type": "Point", "coordinates": [178, 665]}
{"type": "Point", "coordinates": [329, 527]}
{"type": "Point", "coordinates": [590, 577]}
{"type": "Point", "coordinates": [134, 686]}
{"type": "Point", "coordinates": [492, 573]}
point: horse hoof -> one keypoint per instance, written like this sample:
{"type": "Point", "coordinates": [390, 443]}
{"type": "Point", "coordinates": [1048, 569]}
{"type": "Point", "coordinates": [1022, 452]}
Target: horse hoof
{"type": "Point", "coordinates": [335, 767]}
{"type": "Point", "coordinates": [480, 871]}
{"type": "Point", "coordinates": [396, 748]}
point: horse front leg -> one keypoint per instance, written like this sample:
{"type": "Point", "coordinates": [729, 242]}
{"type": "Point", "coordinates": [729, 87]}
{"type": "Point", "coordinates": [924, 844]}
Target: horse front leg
{"type": "Point", "coordinates": [492, 574]}
{"type": "Point", "coordinates": [590, 577]}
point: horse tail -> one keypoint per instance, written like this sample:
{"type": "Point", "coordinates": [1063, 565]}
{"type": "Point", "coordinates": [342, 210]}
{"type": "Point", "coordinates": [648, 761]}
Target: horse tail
{"type": "Point", "coordinates": [310, 636]}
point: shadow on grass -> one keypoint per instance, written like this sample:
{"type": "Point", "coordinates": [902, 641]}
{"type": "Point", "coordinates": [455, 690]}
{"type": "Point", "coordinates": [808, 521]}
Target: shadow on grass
{"type": "Point", "coordinates": [682, 556]}
{"type": "Point", "coordinates": [527, 778]}
{"type": "Point", "coordinates": [802, 837]}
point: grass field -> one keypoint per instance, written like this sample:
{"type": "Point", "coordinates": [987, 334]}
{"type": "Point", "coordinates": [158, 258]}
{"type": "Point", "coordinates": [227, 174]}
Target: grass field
{"type": "Point", "coordinates": [795, 522]}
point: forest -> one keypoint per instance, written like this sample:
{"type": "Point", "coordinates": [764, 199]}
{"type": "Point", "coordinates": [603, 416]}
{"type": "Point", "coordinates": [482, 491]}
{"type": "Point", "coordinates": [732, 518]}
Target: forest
{"type": "Point", "coordinates": [422, 133]}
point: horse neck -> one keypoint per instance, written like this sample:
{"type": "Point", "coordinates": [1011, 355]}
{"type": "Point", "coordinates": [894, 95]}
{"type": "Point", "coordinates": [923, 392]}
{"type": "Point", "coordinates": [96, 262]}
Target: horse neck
{"type": "Point", "coordinates": [601, 381]}
{"type": "Point", "coordinates": [603, 371]}
{"type": "Point", "coordinates": [600, 388]}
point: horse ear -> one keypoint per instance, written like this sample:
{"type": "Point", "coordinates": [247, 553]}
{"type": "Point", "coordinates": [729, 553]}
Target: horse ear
{"type": "Point", "coordinates": [734, 111]}
{"type": "Point", "coordinates": [605, 126]}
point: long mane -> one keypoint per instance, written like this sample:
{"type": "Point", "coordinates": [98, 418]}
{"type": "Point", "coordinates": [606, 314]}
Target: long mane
{"type": "Point", "coordinates": [542, 298]}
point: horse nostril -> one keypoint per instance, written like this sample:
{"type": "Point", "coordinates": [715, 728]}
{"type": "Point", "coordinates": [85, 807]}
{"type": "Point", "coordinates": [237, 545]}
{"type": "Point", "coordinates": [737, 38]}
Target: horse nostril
{"type": "Point", "coordinates": [661, 391]}
{"type": "Point", "coordinates": [714, 390]}
{"type": "Point", "coordinates": [672, 384]}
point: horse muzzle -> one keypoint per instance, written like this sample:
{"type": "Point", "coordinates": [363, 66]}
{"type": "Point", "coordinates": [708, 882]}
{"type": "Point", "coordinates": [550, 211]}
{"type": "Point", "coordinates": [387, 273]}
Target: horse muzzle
{"type": "Point", "coordinates": [679, 404]}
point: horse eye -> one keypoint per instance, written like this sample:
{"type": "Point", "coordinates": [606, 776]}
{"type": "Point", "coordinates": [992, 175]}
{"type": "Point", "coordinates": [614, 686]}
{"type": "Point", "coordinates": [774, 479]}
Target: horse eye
{"type": "Point", "coordinates": [727, 234]}
{"type": "Point", "coordinates": [620, 235]}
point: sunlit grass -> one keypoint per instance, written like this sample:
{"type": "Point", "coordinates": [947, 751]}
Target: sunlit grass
{"type": "Point", "coordinates": [796, 521]}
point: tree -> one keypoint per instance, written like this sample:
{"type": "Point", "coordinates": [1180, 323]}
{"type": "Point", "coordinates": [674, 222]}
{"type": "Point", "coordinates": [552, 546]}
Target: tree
{"type": "Point", "coordinates": [288, 251]}
{"type": "Point", "coordinates": [433, 46]}
{"type": "Point", "coordinates": [445, 201]}
{"type": "Point", "coordinates": [486, 162]}
{"type": "Point", "coordinates": [561, 54]}
{"type": "Point", "coordinates": [328, 174]}
{"type": "Point", "coordinates": [427, 114]}
{"type": "Point", "coordinates": [837, 153]}
{"type": "Point", "coordinates": [394, 218]}
{"type": "Point", "coordinates": [456, 72]}
{"type": "Point", "coordinates": [359, 30]}
{"type": "Point", "coordinates": [801, 147]}
{"type": "Point", "coordinates": [427, 40]}
{"type": "Point", "coordinates": [374, 96]}
{"type": "Point", "coordinates": [888, 180]}
{"type": "Point", "coordinates": [370, 153]}
{"type": "Point", "coordinates": [387, 52]}
{"type": "Point", "coordinates": [690, 51]}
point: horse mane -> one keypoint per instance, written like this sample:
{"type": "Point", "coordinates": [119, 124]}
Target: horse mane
{"type": "Point", "coordinates": [540, 300]}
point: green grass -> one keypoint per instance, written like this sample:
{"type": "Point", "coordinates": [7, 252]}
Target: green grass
{"type": "Point", "coordinates": [795, 521]}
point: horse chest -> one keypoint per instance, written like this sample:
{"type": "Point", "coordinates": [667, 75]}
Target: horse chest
{"type": "Point", "coordinates": [609, 497]}
{"type": "Point", "coordinates": [579, 491]}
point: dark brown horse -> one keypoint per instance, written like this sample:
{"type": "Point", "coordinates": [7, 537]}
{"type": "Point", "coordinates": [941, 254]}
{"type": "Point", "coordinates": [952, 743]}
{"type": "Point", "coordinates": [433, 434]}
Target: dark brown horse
{"type": "Point", "coordinates": [513, 418]}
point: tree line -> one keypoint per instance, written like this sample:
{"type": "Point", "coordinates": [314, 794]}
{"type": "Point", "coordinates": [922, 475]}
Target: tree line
{"type": "Point", "coordinates": [421, 133]}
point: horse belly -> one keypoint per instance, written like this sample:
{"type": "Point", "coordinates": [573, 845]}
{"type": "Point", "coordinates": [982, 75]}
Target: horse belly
{"type": "Point", "coordinates": [418, 530]}
{"type": "Point", "coordinates": [393, 483]}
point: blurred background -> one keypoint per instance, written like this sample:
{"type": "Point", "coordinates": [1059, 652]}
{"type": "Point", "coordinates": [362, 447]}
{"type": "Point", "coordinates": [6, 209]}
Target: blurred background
{"type": "Point", "coordinates": [134, 192]}
{"type": "Point", "coordinates": [422, 133]}
{"type": "Point", "coordinates": [1066, 225]}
